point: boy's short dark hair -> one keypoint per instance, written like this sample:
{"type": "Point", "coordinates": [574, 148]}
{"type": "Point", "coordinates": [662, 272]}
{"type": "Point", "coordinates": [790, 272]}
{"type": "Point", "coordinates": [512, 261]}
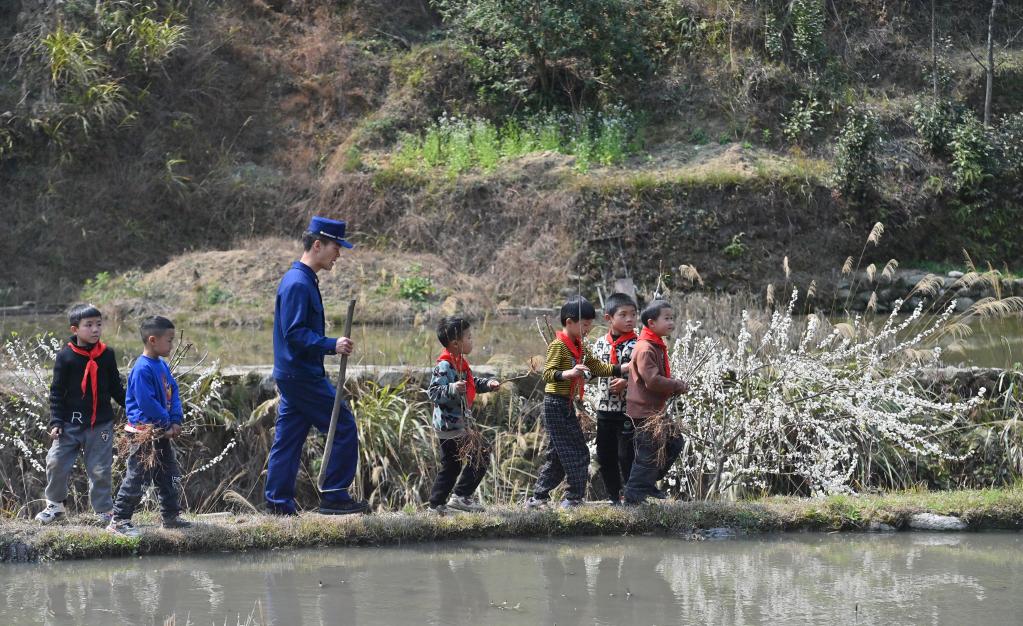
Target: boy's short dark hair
{"type": "Point", "coordinates": [577, 309]}
{"type": "Point", "coordinates": [451, 329]}
{"type": "Point", "coordinates": [309, 238]}
{"type": "Point", "coordinates": [80, 312]}
{"type": "Point", "coordinates": [653, 311]}
{"type": "Point", "coordinates": [154, 326]}
{"type": "Point", "coordinates": [618, 300]}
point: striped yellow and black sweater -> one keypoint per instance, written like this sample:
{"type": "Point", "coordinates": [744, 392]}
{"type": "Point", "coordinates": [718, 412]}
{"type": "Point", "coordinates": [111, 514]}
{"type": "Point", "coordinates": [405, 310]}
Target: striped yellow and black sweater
{"type": "Point", "coordinates": [560, 359]}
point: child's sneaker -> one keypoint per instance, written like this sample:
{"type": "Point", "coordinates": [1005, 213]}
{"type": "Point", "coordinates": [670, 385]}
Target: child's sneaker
{"type": "Point", "coordinates": [438, 509]}
{"type": "Point", "coordinates": [123, 527]}
{"type": "Point", "coordinates": [176, 523]}
{"type": "Point", "coordinates": [461, 503]}
{"type": "Point", "coordinates": [571, 503]}
{"type": "Point", "coordinates": [534, 504]}
{"type": "Point", "coordinates": [53, 512]}
{"type": "Point", "coordinates": [105, 518]}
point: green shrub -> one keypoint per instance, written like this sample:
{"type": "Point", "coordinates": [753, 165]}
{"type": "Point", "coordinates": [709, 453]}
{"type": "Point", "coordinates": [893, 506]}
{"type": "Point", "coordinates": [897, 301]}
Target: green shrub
{"type": "Point", "coordinates": [935, 122]}
{"type": "Point", "coordinates": [971, 154]}
{"type": "Point", "coordinates": [856, 164]}
{"type": "Point", "coordinates": [541, 47]}
{"type": "Point", "coordinates": [808, 25]}
{"type": "Point", "coordinates": [415, 288]}
{"type": "Point", "coordinates": [1009, 141]}
{"type": "Point", "coordinates": [804, 118]}
{"type": "Point", "coordinates": [774, 42]}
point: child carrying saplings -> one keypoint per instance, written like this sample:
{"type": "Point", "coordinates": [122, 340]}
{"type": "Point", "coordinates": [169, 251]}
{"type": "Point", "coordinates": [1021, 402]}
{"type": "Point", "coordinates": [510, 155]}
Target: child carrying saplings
{"type": "Point", "coordinates": [453, 390]}
{"type": "Point", "coordinates": [614, 428]}
{"type": "Point", "coordinates": [650, 387]}
{"type": "Point", "coordinates": [85, 380]}
{"type": "Point", "coordinates": [569, 364]}
{"type": "Point", "coordinates": [154, 419]}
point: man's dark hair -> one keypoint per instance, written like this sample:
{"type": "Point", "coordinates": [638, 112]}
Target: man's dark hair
{"type": "Point", "coordinates": [451, 329]}
{"type": "Point", "coordinates": [653, 311]}
{"type": "Point", "coordinates": [80, 312]}
{"type": "Point", "coordinates": [309, 238]}
{"type": "Point", "coordinates": [154, 326]}
{"type": "Point", "coordinates": [577, 309]}
{"type": "Point", "coordinates": [616, 301]}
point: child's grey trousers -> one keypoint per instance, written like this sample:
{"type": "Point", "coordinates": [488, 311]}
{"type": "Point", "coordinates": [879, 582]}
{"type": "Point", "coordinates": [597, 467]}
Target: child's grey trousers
{"type": "Point", "coordinates": [98, 445]}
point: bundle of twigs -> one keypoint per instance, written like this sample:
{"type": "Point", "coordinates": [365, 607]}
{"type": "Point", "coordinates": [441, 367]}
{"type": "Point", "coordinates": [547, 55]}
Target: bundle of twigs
{"type": "Point", "coordinates": [472, 446]}
{"type": "Point", "coordinates": [658, 429]}
{"type": "Point", "coordinates": [142, 443]}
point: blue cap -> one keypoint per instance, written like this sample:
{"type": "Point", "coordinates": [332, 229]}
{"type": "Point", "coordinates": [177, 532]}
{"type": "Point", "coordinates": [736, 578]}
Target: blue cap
{"type": "Point", "coordinates": [331, 229]}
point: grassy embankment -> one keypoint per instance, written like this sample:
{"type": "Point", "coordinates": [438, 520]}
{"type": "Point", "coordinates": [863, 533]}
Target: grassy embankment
{"type": "Point", "coordinates": [980, 509]}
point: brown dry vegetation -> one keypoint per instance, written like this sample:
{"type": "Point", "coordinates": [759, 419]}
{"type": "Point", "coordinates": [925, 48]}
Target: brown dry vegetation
{"type": "Point", "coordinates": [277, 110]}
{"type": "Point", "coordinates": [237, 287]}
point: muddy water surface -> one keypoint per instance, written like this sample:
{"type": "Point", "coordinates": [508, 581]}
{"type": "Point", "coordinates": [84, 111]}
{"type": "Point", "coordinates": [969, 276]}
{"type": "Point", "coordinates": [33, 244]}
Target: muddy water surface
{"type": "Point", "coordinates": [906, 578]}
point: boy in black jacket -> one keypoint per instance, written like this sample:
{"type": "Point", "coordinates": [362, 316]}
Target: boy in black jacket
{"type": "Point", "coordinates": [85, 379]}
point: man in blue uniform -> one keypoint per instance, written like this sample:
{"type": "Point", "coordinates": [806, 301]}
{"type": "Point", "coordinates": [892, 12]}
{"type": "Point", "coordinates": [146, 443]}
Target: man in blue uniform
{"type": "Point", "coordinates": [307, 396]}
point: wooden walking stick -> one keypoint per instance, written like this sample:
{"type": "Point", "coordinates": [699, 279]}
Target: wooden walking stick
{"type": "Point", "coordinates": [338, 397]}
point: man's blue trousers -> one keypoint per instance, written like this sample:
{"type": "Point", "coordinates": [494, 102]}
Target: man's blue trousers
{"type": "Point", "coordinates": [304, 404]}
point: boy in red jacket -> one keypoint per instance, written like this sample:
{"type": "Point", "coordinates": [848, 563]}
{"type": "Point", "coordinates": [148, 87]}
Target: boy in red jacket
{"type": "Point", "coordinates": [650, 387]}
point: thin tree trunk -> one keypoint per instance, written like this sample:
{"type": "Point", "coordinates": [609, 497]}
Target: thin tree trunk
{"type": "Point", "coordinates": [990, 63]}
{"type": "Point", "coordinates": [934, 54]}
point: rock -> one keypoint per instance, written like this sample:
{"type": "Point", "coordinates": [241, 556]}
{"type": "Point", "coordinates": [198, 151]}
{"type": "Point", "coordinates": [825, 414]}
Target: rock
{"type": "Point", "coordinates": [931, 521]}
{"type": "Point", "coordinates": [880, 527]}
{"type": "Point", "coordinates": [963, 303]}
{"type": "Point", "coordinates": [955, 274]}
{"type": "Point", "coordinates": [718, 533]}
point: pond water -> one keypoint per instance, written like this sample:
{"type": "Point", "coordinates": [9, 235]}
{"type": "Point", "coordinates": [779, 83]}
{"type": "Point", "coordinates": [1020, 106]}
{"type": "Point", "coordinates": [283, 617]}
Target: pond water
{"type": "Point", "coordinates": [994, 343]}
{"type": "Point", "coordinates": [905, 578]}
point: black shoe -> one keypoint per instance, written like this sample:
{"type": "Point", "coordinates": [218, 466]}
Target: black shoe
{"type": "Point", "coordinates": [344, 508]}
{"type": "Point", "coordinates": [658, 494]}
{"type": "Point", "coordinates": [274, 510]}
{"type": "Point", "coordinates": [176, 523]}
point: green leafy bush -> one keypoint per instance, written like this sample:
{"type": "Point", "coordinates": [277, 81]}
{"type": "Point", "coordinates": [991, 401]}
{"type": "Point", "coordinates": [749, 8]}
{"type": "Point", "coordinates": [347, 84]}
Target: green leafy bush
{"type": "Point", "coordinates": [542, 47]}
{"type": "Point", "coordinates": [808, 25]}
{"type": "Point", "coordinates": [971, 154]}
{"type": "Point", "coordinates": [804, 118]}
{"type": "Point", "coordinates": [856, 164]}
{"type": "Point", "coordinates": [935, 122]}
{"type": "Point", "coordinates": [1009, 141]}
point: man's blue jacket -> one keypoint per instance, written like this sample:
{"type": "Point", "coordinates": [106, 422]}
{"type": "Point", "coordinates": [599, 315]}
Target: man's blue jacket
{"type": "Point", "coordinates": [299, 341]}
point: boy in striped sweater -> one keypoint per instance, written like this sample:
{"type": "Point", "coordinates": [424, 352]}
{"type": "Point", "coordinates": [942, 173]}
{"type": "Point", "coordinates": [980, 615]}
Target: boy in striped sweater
{"type": "Point", "coordinates": [568, 366]}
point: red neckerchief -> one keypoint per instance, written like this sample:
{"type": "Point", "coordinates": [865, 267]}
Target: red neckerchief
{"type": "Point", "coordinates": [575, 348]}
{"type": "Point", "coordinates": [91, 369]}
{"type": "Point", "coordinates": [617, 342]}
{"type": "Point", "coordinates": [654, 338]}
{"type": "Point", "coordinates": [462, 367]}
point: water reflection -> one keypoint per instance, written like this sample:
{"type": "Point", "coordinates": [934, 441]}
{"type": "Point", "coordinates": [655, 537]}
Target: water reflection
{"type": "Point", "coordinates": [804, 579]}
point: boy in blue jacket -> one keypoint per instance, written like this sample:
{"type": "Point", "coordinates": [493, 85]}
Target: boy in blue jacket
{"type": "Point", "coordinates": [152, 403]}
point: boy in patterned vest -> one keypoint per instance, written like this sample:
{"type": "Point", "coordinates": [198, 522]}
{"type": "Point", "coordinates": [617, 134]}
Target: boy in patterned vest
{"type": "Point", "coordinates": [614, 428]}
{"type": "Point", "coordinates": [568, 366]}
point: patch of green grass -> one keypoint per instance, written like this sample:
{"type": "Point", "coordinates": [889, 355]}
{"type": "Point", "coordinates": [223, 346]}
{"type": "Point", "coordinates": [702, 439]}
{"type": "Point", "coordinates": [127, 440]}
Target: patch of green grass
{"type": "Point", "coordinates": [459, 144]}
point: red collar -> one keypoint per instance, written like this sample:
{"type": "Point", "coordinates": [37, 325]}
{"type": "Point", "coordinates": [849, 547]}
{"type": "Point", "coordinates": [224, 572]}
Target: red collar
{"type": "Point", "coordinates": [91, 372]}
{"type": "Point", "coordinates": [654, 338]}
